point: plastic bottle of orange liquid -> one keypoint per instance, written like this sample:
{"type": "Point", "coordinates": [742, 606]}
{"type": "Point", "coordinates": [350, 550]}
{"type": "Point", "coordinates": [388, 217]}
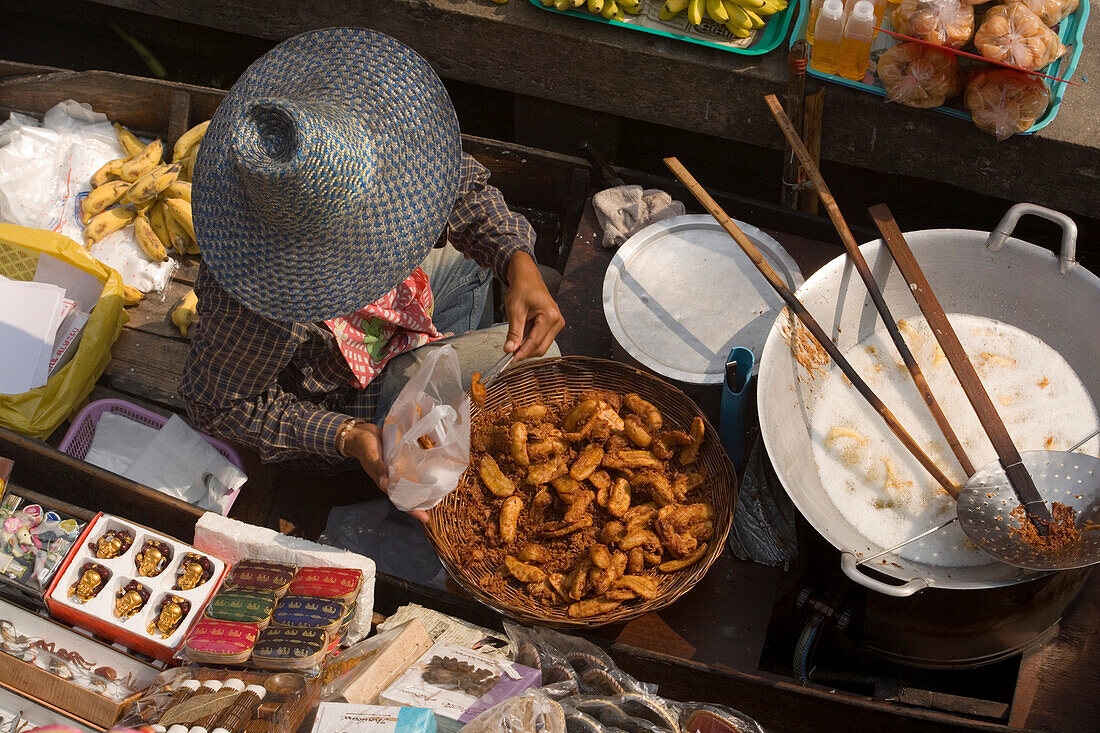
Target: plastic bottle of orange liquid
{"type": "Point", "coordinates": [855, 49]}
{"type": "Point", "coordinates": [880, 9]}
{"type": "Point", "coordinates": [828, 34]}
{"type": "Point", "coordinates": [815, 9]}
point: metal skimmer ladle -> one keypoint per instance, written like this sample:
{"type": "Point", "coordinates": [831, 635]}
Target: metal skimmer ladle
{"type": "Point", "coordinates": [978, 503]}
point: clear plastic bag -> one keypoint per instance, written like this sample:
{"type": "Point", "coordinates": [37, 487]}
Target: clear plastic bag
{"type": "Point", "coordinates": [528, 712]}
{"type": "Point", "coordinates": [426, 436]}
{"type": "Point", "coordinates": [1050, 11]}
{"type": "Point", "coordinates": [707, 718]}
{"type": "Point", "coordinates": [945, 22]}
{"type": "Point", "coordinates": [919, 76]}
{"type": "Point", "coordinates": [1012, 34]}
{"type": "Point", "coordinates": [1003, 102]}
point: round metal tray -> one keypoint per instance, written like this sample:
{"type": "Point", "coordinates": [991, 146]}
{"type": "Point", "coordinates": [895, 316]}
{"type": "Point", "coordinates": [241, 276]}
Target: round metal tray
{"type": "Point", "coordinates": [680, 294]}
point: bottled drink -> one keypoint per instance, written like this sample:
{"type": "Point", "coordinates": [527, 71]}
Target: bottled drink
{"type": "Point", "coordinates": [855, 48]}
{"type": "Point", "coordinates": [828, 34]}
{"type": "Point", "coordinates": [815, 9]}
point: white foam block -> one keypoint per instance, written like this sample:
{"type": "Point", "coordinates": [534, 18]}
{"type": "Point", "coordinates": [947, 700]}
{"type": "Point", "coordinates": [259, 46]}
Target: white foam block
{"type": "Point", "coordinates": [234, 541]}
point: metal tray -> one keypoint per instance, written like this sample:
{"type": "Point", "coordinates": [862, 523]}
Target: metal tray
{"type": "Point", "coordinates": [709, 34]}
{"type": "Point", "coordinates": [679, 295]}
{"type": "Point", "coordinates": [1071, 31]}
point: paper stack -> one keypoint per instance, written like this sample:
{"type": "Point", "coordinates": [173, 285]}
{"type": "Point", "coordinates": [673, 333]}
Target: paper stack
{"type": "Point", "coordinates": [30, 315]}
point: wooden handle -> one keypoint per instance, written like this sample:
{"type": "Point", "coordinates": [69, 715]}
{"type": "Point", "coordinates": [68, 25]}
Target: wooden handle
{"type": "Point", "coordinates": [869, 281]}
{"type": "Point", "coordinates": [803, 315]}
{"type": "Point", "coordinates": [960, 363]}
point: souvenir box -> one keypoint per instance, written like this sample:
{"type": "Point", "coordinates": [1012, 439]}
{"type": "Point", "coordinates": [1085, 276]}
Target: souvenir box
{"type": "Point", "coordinates": [67, 670]}
{"type": "Point", "coordinates": [34, 540]}
{"type": "Point", "coordinates": [149, 578]}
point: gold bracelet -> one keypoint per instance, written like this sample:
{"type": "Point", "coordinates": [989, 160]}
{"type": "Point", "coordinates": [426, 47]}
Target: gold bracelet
{"type": "Point", "coordinates": [343, 434]}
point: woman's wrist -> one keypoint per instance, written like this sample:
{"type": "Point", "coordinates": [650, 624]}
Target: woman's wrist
{"type": "Point", "coordinates": [342, 436]}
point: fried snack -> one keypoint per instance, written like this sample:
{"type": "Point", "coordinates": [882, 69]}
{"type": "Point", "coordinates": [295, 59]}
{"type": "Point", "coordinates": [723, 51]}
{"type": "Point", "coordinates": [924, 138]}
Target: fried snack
{"type": "Point", "coordinates": [517, 444]}
{"type": "Point", "coordinates": [509, 518]}
{"type": "Point", "coordinates": [425, 442]}
{"type": "Point", "coordinates": [1051, 12]}
{"type": "Point", "coordinates": [673, 565]}
{"type": "Point", "coordinates": [477, 390]}
{"type": "Point", "coordinates": [644, 409]}
{"type": "Point", "coordinates": [493, 478]}
{"type": "Point", "coordinates": [578, 504]}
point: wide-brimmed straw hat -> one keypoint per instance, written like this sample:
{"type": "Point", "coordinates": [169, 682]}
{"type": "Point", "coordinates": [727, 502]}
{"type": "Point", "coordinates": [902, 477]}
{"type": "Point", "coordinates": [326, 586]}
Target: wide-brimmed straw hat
{"type": "Point", "coordinates": [326, 174]}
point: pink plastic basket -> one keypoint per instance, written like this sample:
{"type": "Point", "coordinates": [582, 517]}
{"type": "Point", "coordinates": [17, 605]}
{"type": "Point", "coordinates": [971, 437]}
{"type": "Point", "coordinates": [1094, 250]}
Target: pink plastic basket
{"type": "Point", "coordinates": [78, 439]}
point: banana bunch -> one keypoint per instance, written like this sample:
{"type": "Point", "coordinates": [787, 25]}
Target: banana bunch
{"type": "Point", "coordinates": [143, 191]}
{"type": "Point", "coordinates": [739, 17]}
{"type": "Point", "coordinates": [609, 9]}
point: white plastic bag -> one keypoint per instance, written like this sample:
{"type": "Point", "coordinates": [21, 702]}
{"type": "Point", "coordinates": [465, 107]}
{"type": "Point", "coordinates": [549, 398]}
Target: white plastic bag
{"type": "Point", "coordinates": [432, 404]}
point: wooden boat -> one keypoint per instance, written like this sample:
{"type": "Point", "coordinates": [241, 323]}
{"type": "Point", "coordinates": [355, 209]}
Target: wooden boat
{"type": "Point", "coordinates": [708, 645]}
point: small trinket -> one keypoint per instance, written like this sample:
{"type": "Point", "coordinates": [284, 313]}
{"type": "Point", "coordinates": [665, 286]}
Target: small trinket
{"type": "Point", "coordinates": [170, 615]}
{"type": "Point", "coordinates": [308, 612]}
{"type": "Point", "coordinates": [130, 599]}
{"type": "Point", "coordinates": [220, 642]}
{"type": "Point", "coordinates": [242, 606]}
{"type": "Point", "coordinates": [112, 544]}
{"type": "Point", "coordinates": [280, 647]}
{"type": "Point", "coordinates": [194, 570]}
{"type": "Point", "coordinates": [338, 584]}
{"type": "Point", "coordinates": [93, 577]}
{"type": "Point", "coordinates": [258, 575]}
{"type": "Point", "coordinates": [153, 558]}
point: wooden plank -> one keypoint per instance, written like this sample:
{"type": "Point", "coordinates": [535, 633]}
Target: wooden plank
{"type": "Point", "coordinates": [153, 315]}
{"type": "Point", "coordinates": [179, 115]}
{"type": "Point", "coordinates": [148, 365]}
{"type": "Point", "coordinates": [41, 468]}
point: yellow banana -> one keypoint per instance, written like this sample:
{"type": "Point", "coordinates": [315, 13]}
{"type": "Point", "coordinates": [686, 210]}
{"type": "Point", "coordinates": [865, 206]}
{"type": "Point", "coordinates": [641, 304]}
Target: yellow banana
{"type": "Point", "coordinates": [188, 141]}
{"type": "Point", "coordinates": [105, 223]}
{"type": "Point", "coordinates": [128, 141]}
{"type": "Point", "coordinates": [738, 31]}
{"type": "Point", "coordinates": [143, 162]}
{"type": "Point", "coordinates": [177, 235]}
{"type": "Point", "coordinates": [180, 210]}
{"type": "Point", "coordinates": [595, 6]}
{"type": "Point", "coordinates": [160, 226]}
{"type": "Point", "coordinates": [98, 199]}
{"type": "Point", "coordinates": [131, 296]}
{"type": "Point", "coordinates": [563, 4]}
{"type": "Point", "coordinates": [738, 19]}
{"type": "Point", "coordinates": [676, 6]}
{"type": "Point", "coordinates": [192, 247]}
{"type": "Point", "coordinates": [149, 186]}
{"type": "Point", "coordinates": [757, 21]}
{"type": "Point", "coordinates": [695, 11]}
{"type": "Point", "coordinates": [547, 3]}
{"type": "Point", "coordinates": [630, 6]}
{"type": "Point", "coordinates": [717, 11]}
{"type": "Point", "coordinates": [187, 169]}
{"type": "Point", "coordinates": [184, 314]}
{"type": "Point", "coordinates": [750, 4]}
{"type": "Point", "coordinates": [610, 9]}
{"type": "Point", "coordinates": [148, 240]}
{"type": "Point", "coordinates": [109, 171]}
{"type": "Point", "coordinates": [178, 190]}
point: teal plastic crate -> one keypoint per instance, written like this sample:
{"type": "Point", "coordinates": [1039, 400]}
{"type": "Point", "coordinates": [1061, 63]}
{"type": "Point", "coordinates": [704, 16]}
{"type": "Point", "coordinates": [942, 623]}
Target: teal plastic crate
{"type": "Point", "coordinates": [1071, 31]}
{"type": "Point", "coordinates": [765, 39]}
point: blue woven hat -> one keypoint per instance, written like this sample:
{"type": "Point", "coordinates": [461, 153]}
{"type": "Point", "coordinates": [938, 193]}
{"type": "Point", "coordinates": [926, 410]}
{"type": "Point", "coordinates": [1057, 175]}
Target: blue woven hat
{"type": "Point", "coordinates": [326, 174]}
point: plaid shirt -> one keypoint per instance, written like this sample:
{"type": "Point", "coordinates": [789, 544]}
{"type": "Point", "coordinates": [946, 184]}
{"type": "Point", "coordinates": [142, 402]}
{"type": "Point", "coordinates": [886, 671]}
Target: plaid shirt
{"type": "Point", "coordinates": [283, 388]}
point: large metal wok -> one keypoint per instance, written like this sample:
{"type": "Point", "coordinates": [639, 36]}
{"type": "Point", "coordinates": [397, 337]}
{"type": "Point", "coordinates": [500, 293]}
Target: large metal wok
{"type": "Point", "coordinates": [979, 273]}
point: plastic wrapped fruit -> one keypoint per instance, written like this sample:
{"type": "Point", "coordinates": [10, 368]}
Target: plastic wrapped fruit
{"type": "Point", "coordinates": [1050, 11]}
{"type": "Point", "coordinates": [1004, 102]}
{"type": "Point", "coordinates": [919, 76]}
{"type": "Point", "coordinates": [944, 22]}
{"type": "Point", "coordinates": [1012, 34]}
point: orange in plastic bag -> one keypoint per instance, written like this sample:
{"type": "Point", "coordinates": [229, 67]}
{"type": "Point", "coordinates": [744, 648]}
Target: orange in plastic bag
{"type": "Point", "coordinates": [39, 411]}
{"type": "Point", "coordinates": [1004, 102]}
{"type": "Point", "coordinates": [1014, 35]}
{"type": "Point", "coordinates": [919, 76]}
{"type": "Point", "coordinates": [1050, 12]}
{"type": "Point", "coordinates": [944, 22]}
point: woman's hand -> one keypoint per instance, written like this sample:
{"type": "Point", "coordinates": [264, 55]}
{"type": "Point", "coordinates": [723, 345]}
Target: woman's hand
{"type": "Point", "coordinates": [533, 316]}
{"type": "Point", "coordinates": [364, 442]}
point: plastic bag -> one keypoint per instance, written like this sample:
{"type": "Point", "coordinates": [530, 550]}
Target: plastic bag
{"type": "Point", "coordinates": [39, 411]}
{"type": "Point", "coordinates": [945, 22]}
{"type": "Point", "coordinates": [1003, 102]}
{"type": "Point", "coordinates": [528, 712]}
{"type": "Point", "coordinates": [919, 76]}
{"type": "Point", "coordinates": [1050, 11]}
{"type": "Point", "coordinates": [707, 718]}
{"type": "Point", "coordinates": [433, 405]}
{"type": "Point", "coordinates": [1012, 34]}
{"type": "Point", "coordinates": [45, 173]}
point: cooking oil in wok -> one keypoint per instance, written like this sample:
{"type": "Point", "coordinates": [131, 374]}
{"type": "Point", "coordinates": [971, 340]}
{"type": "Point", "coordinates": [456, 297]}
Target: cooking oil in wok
{"type": "Point", "coordinates": [875, 482]}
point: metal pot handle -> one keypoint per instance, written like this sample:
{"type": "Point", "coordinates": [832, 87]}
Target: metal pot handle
{"type": "Point", "coordinates": [1066, 260]}
{"type": "Point", "coordinates": [851, 569]}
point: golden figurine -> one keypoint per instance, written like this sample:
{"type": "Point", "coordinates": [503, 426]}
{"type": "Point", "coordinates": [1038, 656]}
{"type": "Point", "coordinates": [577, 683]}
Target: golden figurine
{"type": "Point", "coordinates": [193, 571]}
{"type": "Point", "coordinates": [112, 544]}
{"type": "Point", "coordinates": [130, 599]}
{"type": "Point", "coordinates": [173, 610]}
{"type": "Point", "coordinates": [92, 579]}
{"type": "Point", "coordinates": [153, 558]}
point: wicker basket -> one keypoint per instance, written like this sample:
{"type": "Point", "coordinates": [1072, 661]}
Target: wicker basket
{"type": "Point", "coordinates": [551, 379]}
